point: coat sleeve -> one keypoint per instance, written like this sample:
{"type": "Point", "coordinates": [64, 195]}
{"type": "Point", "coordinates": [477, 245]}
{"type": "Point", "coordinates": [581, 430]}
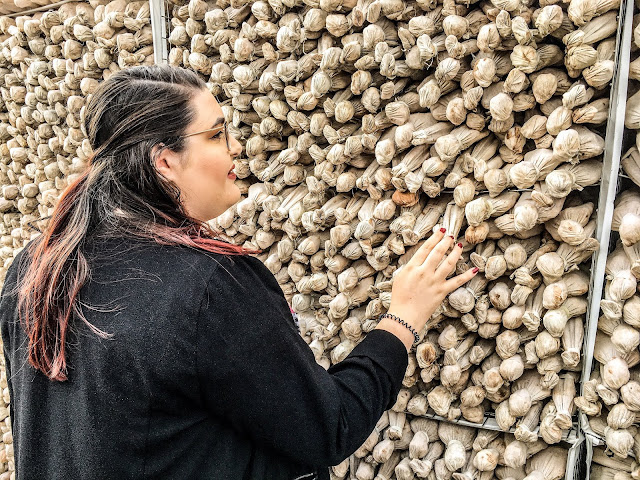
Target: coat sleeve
{"type": "Point", "coordinates": [258, 374]}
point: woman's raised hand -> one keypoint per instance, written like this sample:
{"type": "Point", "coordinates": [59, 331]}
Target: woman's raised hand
{"type": "Point", "coordinates": [422, 284]}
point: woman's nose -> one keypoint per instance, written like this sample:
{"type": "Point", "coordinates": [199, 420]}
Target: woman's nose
{"type": "Point", "coordinates": [235, 147]}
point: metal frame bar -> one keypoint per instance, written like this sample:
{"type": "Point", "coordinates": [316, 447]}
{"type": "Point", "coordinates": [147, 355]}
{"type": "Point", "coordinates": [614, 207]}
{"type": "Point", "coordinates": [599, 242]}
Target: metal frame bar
{"type": "Point", "coordinates": [159, 31]}
{"type": "Point", "coordinates": [43, 8]}
{"type": "Point", "coordinates": [571, 437]}
{"type": "Point", "coordinates": [577, 452]}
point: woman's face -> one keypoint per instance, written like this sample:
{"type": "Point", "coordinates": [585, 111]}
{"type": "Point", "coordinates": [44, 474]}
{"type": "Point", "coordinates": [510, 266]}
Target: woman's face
{"type": "Point", "coordinates": [203, 171]}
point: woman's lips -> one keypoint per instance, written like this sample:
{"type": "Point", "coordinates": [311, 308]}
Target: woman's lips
{"type": "Point", "coordinates": [232, 174]}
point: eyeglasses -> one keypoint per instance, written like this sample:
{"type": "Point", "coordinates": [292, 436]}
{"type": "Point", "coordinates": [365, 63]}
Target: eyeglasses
{"type": "Point", "coordinates": [224, 128]}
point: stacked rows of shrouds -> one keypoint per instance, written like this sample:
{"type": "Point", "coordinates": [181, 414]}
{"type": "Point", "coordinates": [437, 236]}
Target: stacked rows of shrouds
{"type": "Point", "coordinates": [50, 63]}
{"type": "Point", "coordinates": [611, 398]}
{"type": "Point", "coordinates": [367, 124]}
{"type": "Point", "coordinates": [406, 448]}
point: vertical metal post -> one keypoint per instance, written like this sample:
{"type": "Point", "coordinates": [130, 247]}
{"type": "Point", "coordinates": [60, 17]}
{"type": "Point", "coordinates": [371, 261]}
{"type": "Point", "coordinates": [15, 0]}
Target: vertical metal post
{"type": "Point", "coordinates": [575, 460]}
{"type": "Point", "coordinates": [159, 31]}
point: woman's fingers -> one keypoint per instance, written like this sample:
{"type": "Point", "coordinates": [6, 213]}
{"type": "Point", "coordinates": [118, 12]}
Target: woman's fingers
{"type": "Point", "coordinates": [423, 252]}
{"type": "Point", "coordinates": [459, 280]}
{"type": "Point", "coordinates": [437, 253]}
{"type": "Point", "coordinates": [448, 265]}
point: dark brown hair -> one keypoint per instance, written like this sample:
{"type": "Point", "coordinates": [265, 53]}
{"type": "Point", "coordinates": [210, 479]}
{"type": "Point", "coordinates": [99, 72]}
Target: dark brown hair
{"type": "Point", "coordinates": [120, 192]}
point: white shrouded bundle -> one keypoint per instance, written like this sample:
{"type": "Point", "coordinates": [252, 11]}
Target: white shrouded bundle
{"type": "Point", "coordinates": [607, 468]}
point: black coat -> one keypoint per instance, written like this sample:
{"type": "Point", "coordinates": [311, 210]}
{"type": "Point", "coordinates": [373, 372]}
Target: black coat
{"type": "Point", "coordinates": [204, 376]}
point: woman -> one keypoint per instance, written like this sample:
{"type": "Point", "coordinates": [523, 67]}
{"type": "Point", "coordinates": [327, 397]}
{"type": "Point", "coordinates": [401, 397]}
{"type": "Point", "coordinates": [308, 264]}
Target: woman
{"type": "Point", "coordinates": [139, 346]}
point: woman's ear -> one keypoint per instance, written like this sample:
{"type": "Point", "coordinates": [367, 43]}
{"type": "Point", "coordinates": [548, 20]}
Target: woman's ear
{"type": "Point", "coordinates": [166, 162]}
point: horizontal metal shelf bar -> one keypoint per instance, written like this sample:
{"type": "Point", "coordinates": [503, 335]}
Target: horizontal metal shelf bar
{"type": "Point", "coordinates": [570, 437]}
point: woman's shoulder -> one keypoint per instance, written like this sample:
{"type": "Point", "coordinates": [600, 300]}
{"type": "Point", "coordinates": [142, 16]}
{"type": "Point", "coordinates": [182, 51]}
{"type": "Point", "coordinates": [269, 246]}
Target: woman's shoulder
{"type": "Point", "coordinates": [130, 257]}
{"type": "Point", "coordinates": [177, 259]}
{"type": "Point", "coordinates": [244, 269]}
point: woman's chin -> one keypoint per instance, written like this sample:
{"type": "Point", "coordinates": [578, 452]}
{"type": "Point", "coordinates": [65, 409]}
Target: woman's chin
{"type": "Point", "coordinates": [234, 196]}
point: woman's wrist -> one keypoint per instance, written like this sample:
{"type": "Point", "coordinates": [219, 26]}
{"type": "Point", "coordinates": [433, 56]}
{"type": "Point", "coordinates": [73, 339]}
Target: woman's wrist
{"type": "Point", "coordinates": [414, 332]}
{"type": "Point", "coordinates": [393, 327]}
{"type": "Point", "coordinates": [408, 315]}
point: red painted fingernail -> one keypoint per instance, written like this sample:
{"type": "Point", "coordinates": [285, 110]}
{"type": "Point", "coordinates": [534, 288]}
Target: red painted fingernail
{"type": "Point", "coordinates": [475, 270]}
{"type": "Point", "coordinates": [451, 237]}
{"type": "Point", "coordinates": [443, 230]}
{"type": "Point", "coordinates": [459, 244]}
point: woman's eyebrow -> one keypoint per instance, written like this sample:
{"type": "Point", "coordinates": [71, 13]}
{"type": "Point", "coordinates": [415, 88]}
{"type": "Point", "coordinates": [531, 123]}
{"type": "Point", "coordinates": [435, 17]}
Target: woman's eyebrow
{"type": "Point", "coordinates": [219, 121]}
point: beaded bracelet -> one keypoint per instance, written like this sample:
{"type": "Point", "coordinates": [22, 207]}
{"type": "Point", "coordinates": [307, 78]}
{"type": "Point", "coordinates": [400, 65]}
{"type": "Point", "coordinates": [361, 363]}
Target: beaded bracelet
{"type": "Point", "coordinates": [404, 324]}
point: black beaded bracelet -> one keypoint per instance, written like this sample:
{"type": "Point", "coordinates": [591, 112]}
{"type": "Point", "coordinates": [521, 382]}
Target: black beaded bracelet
{"type": "Point", "coordinates": [404, 324]}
